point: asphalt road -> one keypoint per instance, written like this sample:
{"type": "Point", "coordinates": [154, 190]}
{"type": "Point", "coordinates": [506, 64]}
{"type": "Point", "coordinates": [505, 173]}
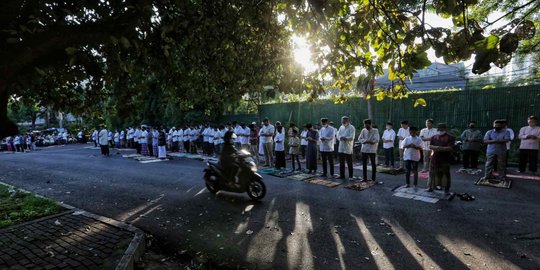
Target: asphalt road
{"type": "Point", "coordinates": [298, 225]}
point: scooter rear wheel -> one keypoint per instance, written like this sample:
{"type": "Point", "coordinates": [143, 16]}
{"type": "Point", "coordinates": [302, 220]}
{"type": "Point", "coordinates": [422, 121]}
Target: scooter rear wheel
{"type": "Point", "coordinates": [256, 189]}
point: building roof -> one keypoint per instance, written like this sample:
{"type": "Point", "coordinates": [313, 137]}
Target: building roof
{"type": "Point", "coordinates": [436, 76]}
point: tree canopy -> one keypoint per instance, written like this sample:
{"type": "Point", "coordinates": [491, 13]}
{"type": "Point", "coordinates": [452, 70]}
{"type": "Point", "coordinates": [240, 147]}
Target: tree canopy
{"type": "Point", "coordinates": [150, 60]}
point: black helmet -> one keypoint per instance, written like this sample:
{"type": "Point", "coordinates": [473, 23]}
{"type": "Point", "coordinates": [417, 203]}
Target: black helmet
{"type": "Point", "coordinates": [228, 137]}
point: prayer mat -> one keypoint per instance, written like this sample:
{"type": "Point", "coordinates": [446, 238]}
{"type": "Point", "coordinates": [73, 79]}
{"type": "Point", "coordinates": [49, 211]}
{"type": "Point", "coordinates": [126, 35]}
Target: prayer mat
{"type": "Point", "coordinates": [283, 174]}
{"type": "Point", "coordinates": [522, 176]}
{"type": "Point", "coordinates": [420, 194]}
{"type": "Point", "coordinates": [469, 171]}
{"type": "Point", "coordinates": [194, 156]}
{"type": "Point", "coordinates": [141, 158]}
{"type": "Point", "coordinates": [322, 182]}
{"type": "Point", "coordinates": [301, 176]}
{"type": "Point", "coordinates": [494, 182]}
{"type": "Point", "coordinates": [132, 156]}
{"type": "Point", "coordinates": [152, 160]}
{"type": "Point", "coordinates": [388, 170]}
{"type": "Point", "coordinates": [421, 175]}
{"type": "Point", "coordinates": [177, 155]}
{"type": "Point", "coordinates": [360, 185]}
{"type": "Point", "coordinates": [92, 147]}
{"type": "Point", "coordinates": [268, 170]}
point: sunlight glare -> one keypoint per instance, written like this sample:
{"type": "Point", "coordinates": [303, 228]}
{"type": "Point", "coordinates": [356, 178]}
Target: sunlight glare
{"type": "Point", "coordinates": [302, 54]}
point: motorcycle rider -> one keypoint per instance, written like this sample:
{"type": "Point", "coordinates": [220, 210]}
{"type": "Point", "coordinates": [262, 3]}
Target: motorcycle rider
{"type": "Point", "coordinates": [228, 159]}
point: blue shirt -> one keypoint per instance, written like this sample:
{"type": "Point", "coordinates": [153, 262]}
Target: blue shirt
{"type": "Point", "coordinates": [497, 148]}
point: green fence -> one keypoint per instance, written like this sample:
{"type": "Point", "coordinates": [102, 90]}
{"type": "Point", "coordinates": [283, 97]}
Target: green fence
{"type": "Point", "coordinates": [455, 108]}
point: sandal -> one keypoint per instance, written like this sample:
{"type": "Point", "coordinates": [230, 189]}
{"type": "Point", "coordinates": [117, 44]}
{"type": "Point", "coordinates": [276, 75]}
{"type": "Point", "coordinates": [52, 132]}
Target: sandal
{"type": "Point", "coordinates": [466, 197]}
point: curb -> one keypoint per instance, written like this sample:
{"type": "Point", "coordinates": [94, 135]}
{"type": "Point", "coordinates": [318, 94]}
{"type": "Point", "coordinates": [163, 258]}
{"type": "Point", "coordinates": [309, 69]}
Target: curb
{"type": "Point", "coordinates": [135, 248]}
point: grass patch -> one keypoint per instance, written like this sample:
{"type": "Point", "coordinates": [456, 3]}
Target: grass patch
{"type": "Point", "coordinates": [24, 207]}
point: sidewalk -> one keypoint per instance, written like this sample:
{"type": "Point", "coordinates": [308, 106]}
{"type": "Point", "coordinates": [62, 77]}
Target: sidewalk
{"type": "Point", "coordinates": [70, 240]}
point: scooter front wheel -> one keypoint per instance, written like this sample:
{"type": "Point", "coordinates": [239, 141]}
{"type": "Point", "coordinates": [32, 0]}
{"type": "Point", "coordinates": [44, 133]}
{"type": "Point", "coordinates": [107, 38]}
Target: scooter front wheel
{"type": "Point", "coordinates": [211, 182]}
{"type": "Point", "coordinates": [256, 189]}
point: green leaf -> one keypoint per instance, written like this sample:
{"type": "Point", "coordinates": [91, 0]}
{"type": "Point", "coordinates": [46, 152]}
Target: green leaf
{"type": "Point", "coordinates": [420, 102]}
{"type": "Point", "coordinates": [489, 86]}
{"type": "Point", "coordinates": [391, 74]}
{"type": "Point", "coordinates": [380, 96]}
{"type": "Point", "coordinates": [342, 37]}
{"type": "Point", "coordinates": [125, 42]}
{"type": "Point", "coordinates": [40, 71]}
{"type": "Point", "coordinates": [71, 50]}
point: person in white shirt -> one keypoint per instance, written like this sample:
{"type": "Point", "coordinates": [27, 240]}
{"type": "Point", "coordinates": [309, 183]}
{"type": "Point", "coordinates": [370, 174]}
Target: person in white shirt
{"type": "Point", "coordinates": [174, 140]}
{"type": "Point", "coordinates": [143, 140]}
{"type": "Point", "coordinates": [403, 133]}
{"type": "Point", "coordinates": [426, 134]}
{"type": "Point", "coordinates": [210, 134]}
{"type": "Point", "coordinates": [129, 136]}
{"type": "Point", "coordinates": [237, 129]}
{"type": "Point", "coordinates": [508, 144]}
{"type": "Point", "coordinates": [266, 134]}
{"type": "Point", "coordinates": [95, 137]}
{"type": "Point", "coordinates": [369, 138]}
{"type": "Point", "coordinates": [412, 145]}
{"type": "Point", "coordinates": [187, 132]}
{"type": "Point", "coordinates": [204, 134]}
{"type": "Point", "coordinates": [303, 142]}
{"type": "Point", "coordinates": [103, 139]}
{"type": "Point", "coordinates": [136, 139]}
{"type": "Point", "coordinates": [223, 130]}
{"type": "Point", "coordinates": [243, 134]}
{"type": "Point", "coordinates": [193, 135]}
{"type": "Point", "coordinates": [280, 146]}
{"type": "Point", "coordinates": [111, 135]}
{"type": "Point", "coordinates": [117, 139]}
{"type": "Point", "coordinates": [122, 138]}
{"type": "Point", "coordinates": [217, 142]}
{"type": "Point", "coordinates": [346, 134]}
{"type": "Point", "coordinates": [155, 142]}
{"type": "Point", "coordinates": [388, 138]}
{"type": "Point", "coordinates": [336, 139]}
{"type": "Point", "coordinates": [180, 135]}
{"type": "Point", "coordinates": [327, 136]}
{"type": "Point", "coordinates": [528, 148]}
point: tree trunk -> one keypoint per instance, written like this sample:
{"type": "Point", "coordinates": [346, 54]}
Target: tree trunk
{"type": "Point", "coordinates": [369, 109]}
{"type": "Point", "coordinates": [7, 127]}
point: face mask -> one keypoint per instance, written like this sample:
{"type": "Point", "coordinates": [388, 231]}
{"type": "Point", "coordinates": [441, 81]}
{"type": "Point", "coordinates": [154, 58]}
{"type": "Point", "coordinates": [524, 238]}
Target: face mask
{"type": "Point", "coordinates": [498, 128]}
{"type": "Point", "coordinates": [471, 126]}
{"type": "Point", "coordinates": [388, 127]}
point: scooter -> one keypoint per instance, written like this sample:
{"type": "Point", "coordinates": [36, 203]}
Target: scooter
{"type": "Point", "coordinates": [249, 180]}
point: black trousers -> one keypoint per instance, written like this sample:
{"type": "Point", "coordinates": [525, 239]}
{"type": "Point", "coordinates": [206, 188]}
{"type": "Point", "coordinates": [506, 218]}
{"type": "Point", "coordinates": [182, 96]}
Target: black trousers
{"type": "Point", "coordinates": [389, 156]}
{"type": "Point", "coordinates": [280, 159]}
{"type": "Point", "coordinates": [411, 166]}
{"type": "Point", "coordinates": [371, 157]}
{"type": "Point", "coordinates": [186, 146]}
{"type": "Point", "coordinates": [150, 150]}
{"type": "Point", "coordinates": [138, 147]}
{"type": "Point", "coordinates": [327, 157]}
{"type": "Point", "coordinates": [470, 159]}
{"type": "Point", "coordinates": [303, 149]}
{"type": "Point", "coordinates": [530, 156]}
{"type": "Point", "coordinates": [295, 158]}
{"type": "Point", "coordinates": [105, 150]}
{"type": "Point", "coordinates": [342, 159]}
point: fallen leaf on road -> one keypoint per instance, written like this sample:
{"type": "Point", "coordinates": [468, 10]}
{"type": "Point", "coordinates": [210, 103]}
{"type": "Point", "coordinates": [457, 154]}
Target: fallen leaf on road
{"type": "Point", "coordinates": [249, 232]}
{"type": "Point", "coordinates": [516, 220]}
{"type": "Point", "coordinates": [57, 223]}
{"type": "Point", "coordinates": [467, 254]}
